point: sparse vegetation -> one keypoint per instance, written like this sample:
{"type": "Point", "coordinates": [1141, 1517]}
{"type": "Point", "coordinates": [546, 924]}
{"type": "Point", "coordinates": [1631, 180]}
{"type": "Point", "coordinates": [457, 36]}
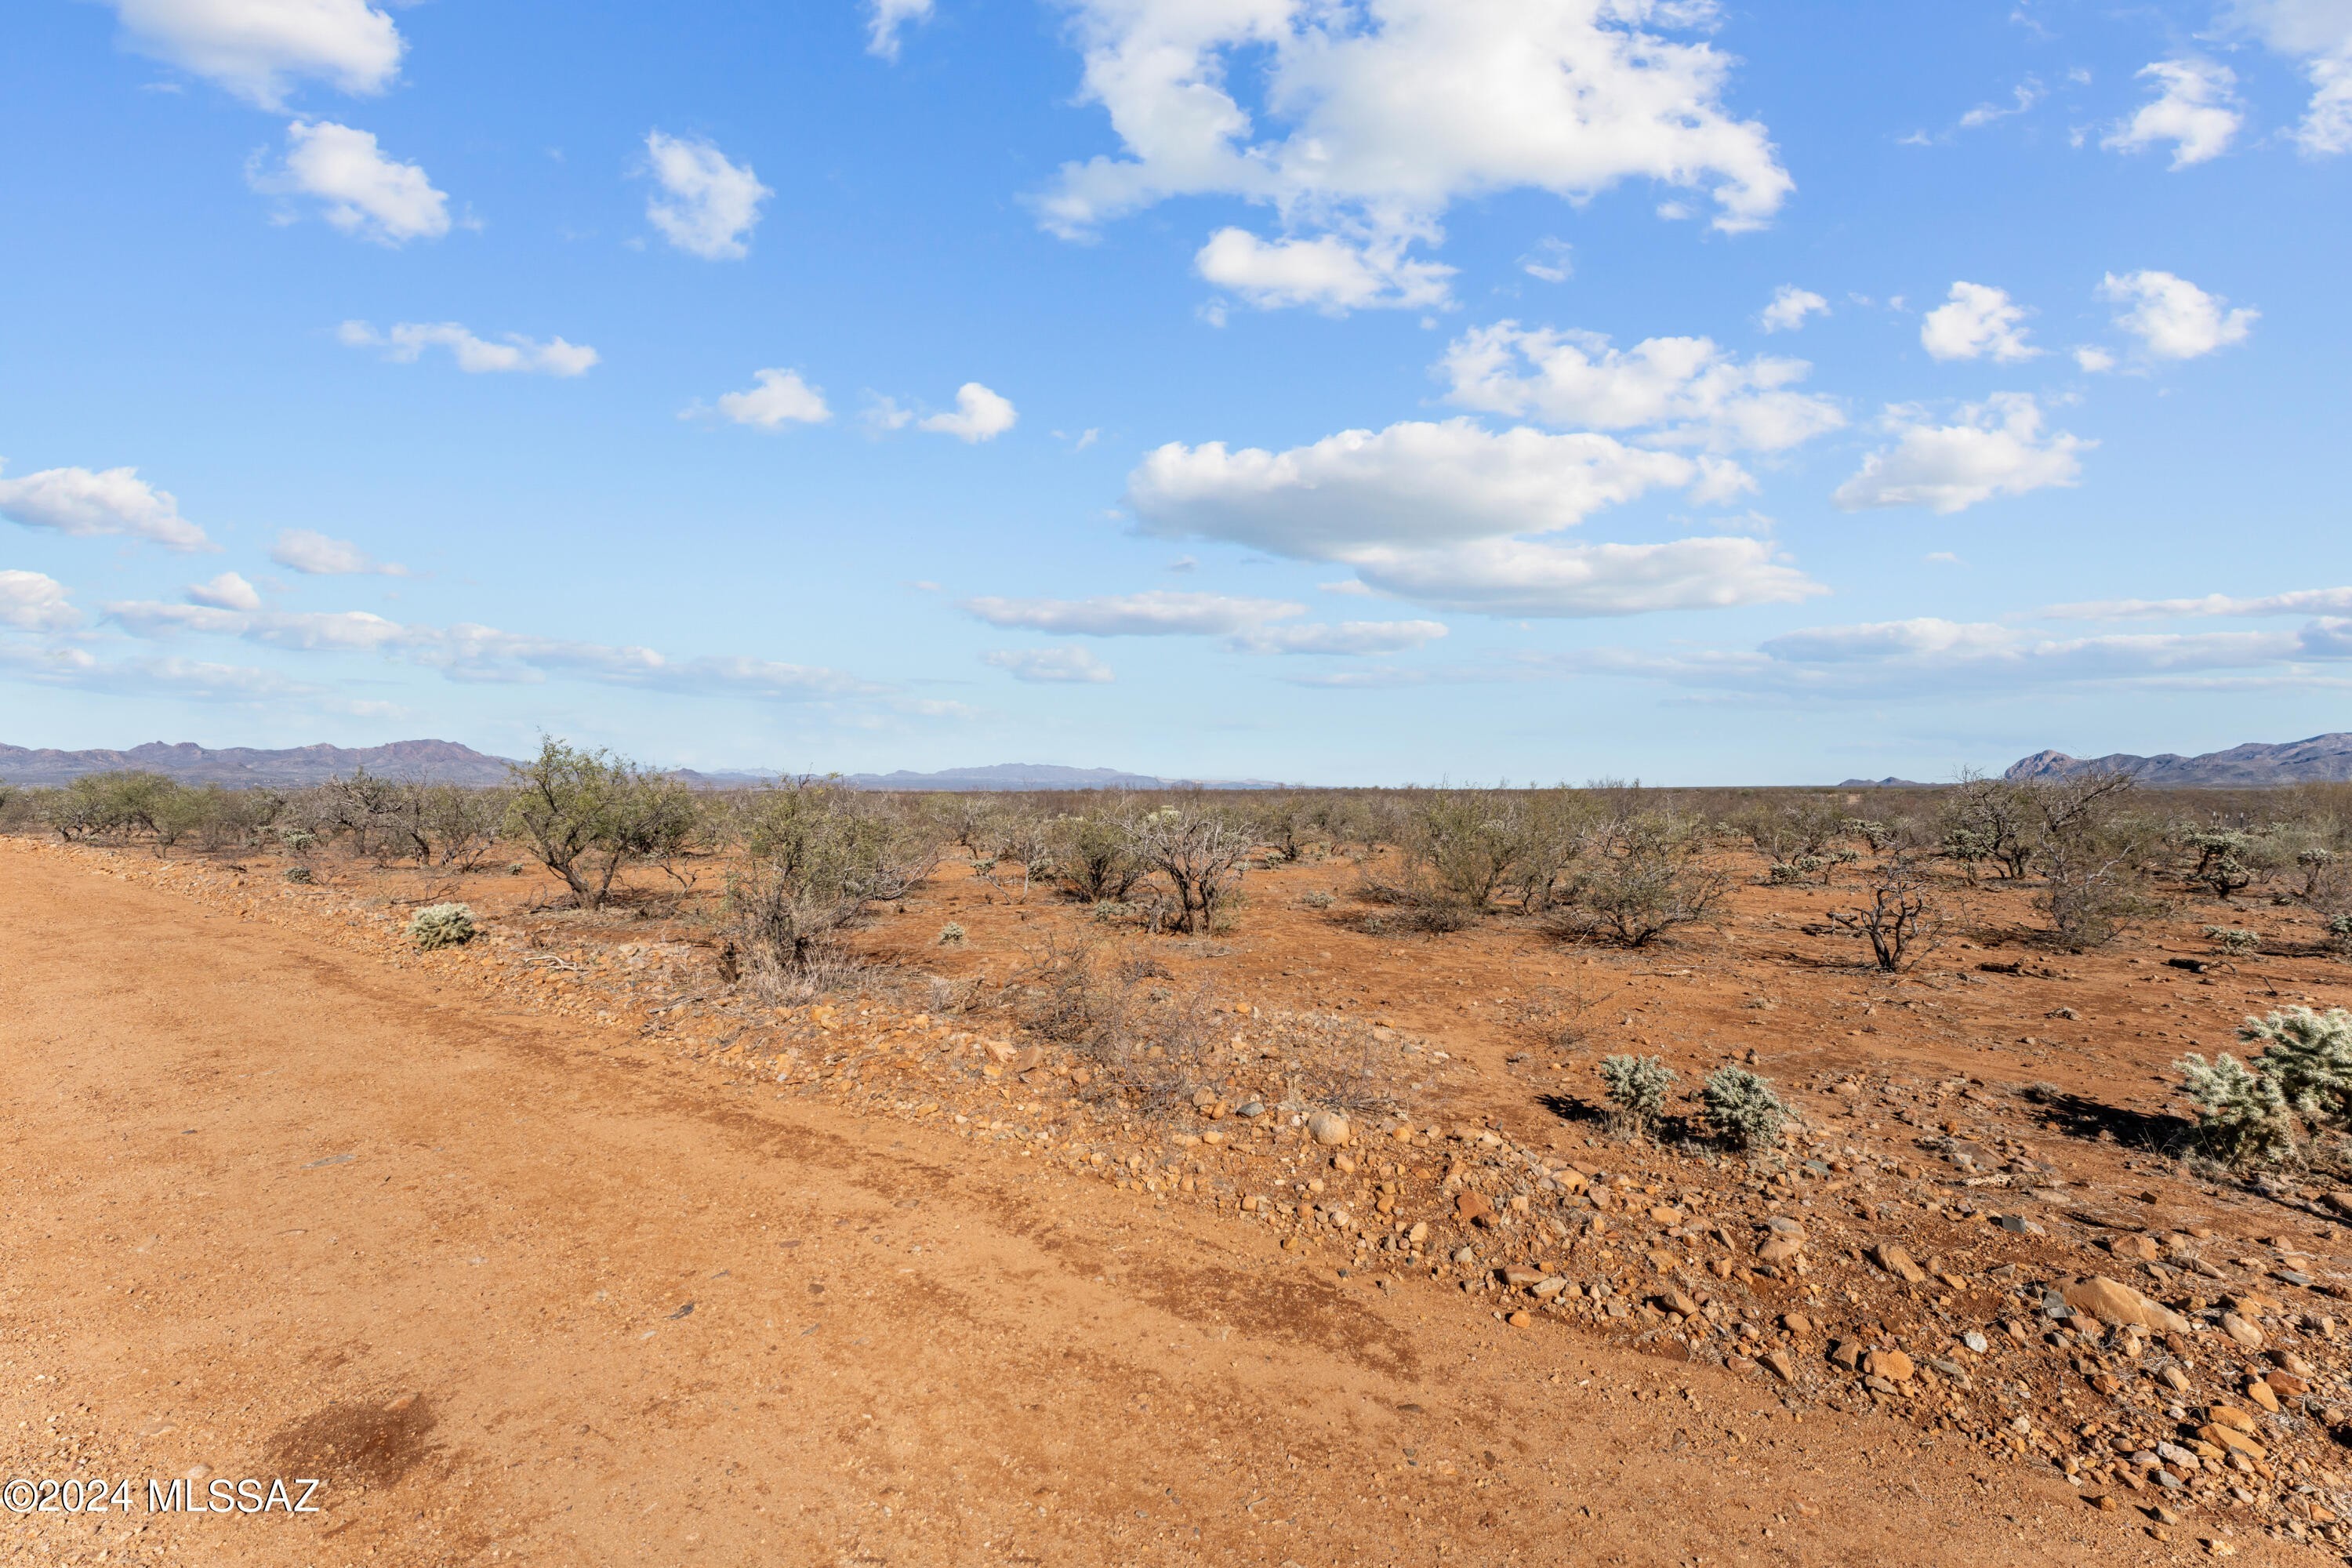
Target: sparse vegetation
{"type": "Point", "coordinates": [1647, 877]}
{"type": "Point", "coordinates": [817, 858]}
{"type": "Point", "coordinates": [1637, 1088]}
{"type": "Point", "coordinates": [1741, 1109]}
{"type": "Point", "coordinates": [1905, 919]}
{"type": "Point", "coordinates": [441, 925]}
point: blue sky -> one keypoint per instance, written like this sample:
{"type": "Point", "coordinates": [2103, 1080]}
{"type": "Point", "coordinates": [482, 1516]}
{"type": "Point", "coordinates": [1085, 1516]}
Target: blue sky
{"type": "Point", "coordinates": [1365, 391]}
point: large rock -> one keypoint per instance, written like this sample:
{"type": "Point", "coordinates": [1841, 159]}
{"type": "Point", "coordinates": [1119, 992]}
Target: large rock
{"type": "Point", "coordinates": [1328, 1127]}
{"type": "Point", "coordinates": [2112, 1302]}
{"type": "Point", "coordinates": [1892, 1257]}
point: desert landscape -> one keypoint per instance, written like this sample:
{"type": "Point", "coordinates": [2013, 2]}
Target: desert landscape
{"type": "Point", "coordinates": [1290, 1177]}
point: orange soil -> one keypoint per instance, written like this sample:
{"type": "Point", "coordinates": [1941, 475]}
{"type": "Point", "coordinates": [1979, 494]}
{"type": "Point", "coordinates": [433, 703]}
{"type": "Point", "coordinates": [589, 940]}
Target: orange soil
{"type": "Point", "coordinates": [520, 1286]}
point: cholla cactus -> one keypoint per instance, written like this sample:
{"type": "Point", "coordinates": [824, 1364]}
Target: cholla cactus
{"type": "Point", "coordinates": [2339, 932]}
{"type": "Point", "coordinates": [951, 935]}
{"type": "Point", "coordinates": [1637, 1089]}
{"type": "Point", "coordinates": [441, 925]}
{"type": "Point", "coordinates": [2308, 1056]}
{"type": "Point", "coordinates": [2234, 941]}
{"type": "Point", "coordinates": [2242, 1112]}
{"type": "Point", "coordinates": [1742, 1109]}
{"type": "Point", "coordinates": [299, 874]}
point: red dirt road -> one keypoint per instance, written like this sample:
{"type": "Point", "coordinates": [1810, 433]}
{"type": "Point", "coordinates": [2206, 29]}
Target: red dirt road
{"type": "Point", "coordinates": [514, 1293]}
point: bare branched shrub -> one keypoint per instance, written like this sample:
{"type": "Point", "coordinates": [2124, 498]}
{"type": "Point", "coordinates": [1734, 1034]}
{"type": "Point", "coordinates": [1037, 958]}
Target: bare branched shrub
{"type": "Point", "coordinates": [1342, 1063]}
{"type": "Point", "coordinates": [1987, 819]}
{"type": "Point", "coordinates": [817, 858]}
{"type": "Point", "coordinates": [1094, 856]}
{"type": "Point", "coordinates": [1645, 879]}
{"type": "Point", "coordinates": [1202, 853]}
{"type": "Point", "coordinates": [1905, 919]}
{"type": "Point", "coordinates": [2094, 857]}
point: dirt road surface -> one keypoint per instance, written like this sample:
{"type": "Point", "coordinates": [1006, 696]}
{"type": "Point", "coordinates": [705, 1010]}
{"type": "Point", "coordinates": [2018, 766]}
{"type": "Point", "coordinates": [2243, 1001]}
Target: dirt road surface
{"type": "Point", "coordinates": [273, 1209]}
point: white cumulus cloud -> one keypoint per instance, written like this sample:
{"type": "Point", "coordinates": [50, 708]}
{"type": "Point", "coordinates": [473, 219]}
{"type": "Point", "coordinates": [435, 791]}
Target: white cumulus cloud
{"type": "Point", "coordinates": [33, 602]}
{"type": "Point", "coordinates": [1050, 665]}
{"type": "Point", "coordinates": [1789, 307]}
{"type": "Point", "coordinates": [705, 205]}
{"type": "Point", "coordinates": [1998, 448]}
{"type": "Point", "coordinates": [1686, 391]}
{"type": "Point", "coordinates": [361, 190]}
{"type": "Point", "coordinates": [2174, 318]}
{"type": "Point", "coordinates": [1977, 321]}
{"type": "Point", "coordinates": [979, 415]}
{"type": "Point", "coordinates": [405, 342]}
{"type": "Point", "coordinates": [888, 16]}
{"type": "Point", "coordinates": [315, 555]}
{"type": "Point", "coordinates": [1331, 274]}
{"type": "Point", "coordinates": [1434, 513]}
{"type": "Point", "coordinates": [256, 48]}
{"type": "Point", "coordinates": [227, 592]}
{"type": "Point", "coordinates": [1379, 116]}
{"type": "Point", "coordinates": [2319, 34]}
{"type": "Point", "coordinates": [2195, 109]}
{"type": "Point", "coordinates": [88, 505]}
{"type": "Point", "coordinates": [780, 398]}
{"type": "Point", "coordinates": [1353, 638]}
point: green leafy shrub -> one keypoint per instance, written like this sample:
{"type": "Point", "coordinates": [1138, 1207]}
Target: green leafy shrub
{"type": "Point", "coordinates": [441, 925]}
{"type": "Point", "coordinates": [1741, 1109]}
{"type": "Point", "coordinates": [1637, 1089]}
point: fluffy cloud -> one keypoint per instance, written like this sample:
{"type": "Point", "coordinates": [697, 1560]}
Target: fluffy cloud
{"type": "Point", "coordinates": [1996, 448]}
{"type": "Point", "coordinates": [2173, 317]}
{"type": "Point", "coordinates": [979, 415]}
{"type": "Point", "coordinates": [1529, 577]}
{"type": "Point", "coordinates": [478, 653]}
{"type": "Point", "coordinates": [316, 555]}
{"type": "Point", "coordinates": [1158, 612]}
{"type": "Point", "coordinates": [888, 16]}
{"type": "Point", "coordinates": [2195, 109]}
{"type": "Point", "coordinates": [1432, 512]}
{"type": "Point", "coordinates": [1687, 390]}
{"type": "Point", "coordinates": [1789, 307]}
{"type": "Point", "coordinates": [1412, 484]}
{"type": "Point", "coordinates": [475, 356]}
{"type": "Point", "coordinates": [2319, 34]}
{"type": "Point", "coordinates": [705, 205]}
{"type": "Point", "coordinates": [364, 193]}
{"type": "Point", "coordinates": [180, 679]}
{"type": "Point", "coordinates": [780, 398]}
{"type": "Point", "coordinates": [31, 601]}
{"type": "Point", "coordinates": [1977, 321]}
{"type": "Point", "coordinates": [255, 47]}
{"type": "Point", "coordinates": [1333, 275]}
{"type": "Point", "coordinates": [1050, 665]}
{"type": "Point", "coordinates": [1382, 115]}
{"type": "Point", "coordinates": [227, 592]}
{"type": "Point", "coordinates": [89, 505]}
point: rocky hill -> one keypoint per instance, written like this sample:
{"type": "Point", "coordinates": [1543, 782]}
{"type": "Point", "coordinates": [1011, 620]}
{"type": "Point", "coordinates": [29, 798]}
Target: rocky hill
{"type": "Point", "coordinates": [440, 762]}
{"type": "Point", "coordinates": [2320, 759]}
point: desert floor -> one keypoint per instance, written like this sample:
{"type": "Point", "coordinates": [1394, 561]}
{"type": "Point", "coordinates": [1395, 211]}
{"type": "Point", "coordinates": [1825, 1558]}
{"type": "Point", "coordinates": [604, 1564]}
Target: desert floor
{"type": "Point", "coordinates": [529, 1271]}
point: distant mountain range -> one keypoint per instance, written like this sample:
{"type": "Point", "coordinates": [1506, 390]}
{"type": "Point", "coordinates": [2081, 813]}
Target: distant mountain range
{"type": "Point", "coordinates": [438, 762]}
{"type": "Point", "coordinates": [446, 762]}
{"type": "Point", "coordinates": [2321, 759]}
